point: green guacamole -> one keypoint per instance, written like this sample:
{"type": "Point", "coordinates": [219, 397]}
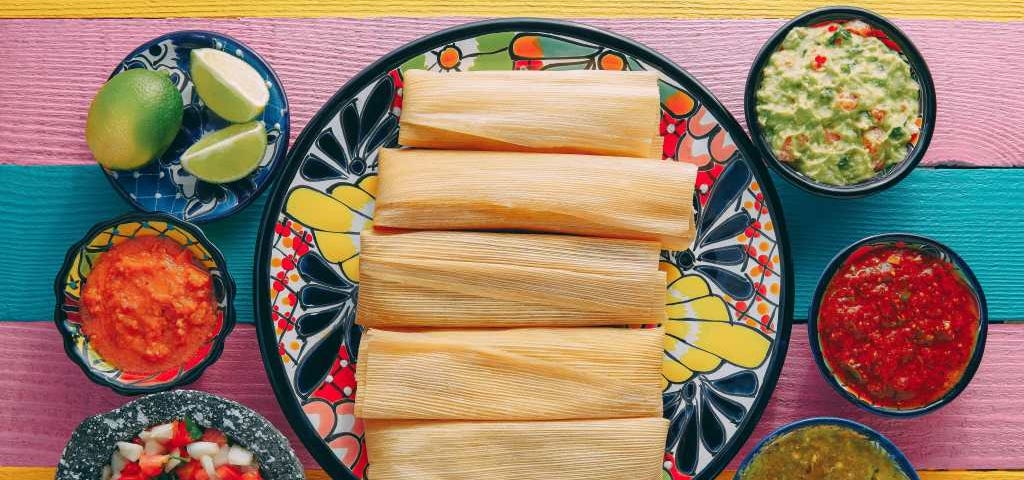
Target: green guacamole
{"type": "Point", "coordinates": [822, 452]}
{"type": "Point", "coordinates": [837, 104]}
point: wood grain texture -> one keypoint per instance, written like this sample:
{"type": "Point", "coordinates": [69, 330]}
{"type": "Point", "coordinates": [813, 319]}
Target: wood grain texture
{"type": "Point", "coordinates": [982, 9]}
{"type": "Point", "coordinates": [982, 429]}
{"type": "Point", "coordinates": [974, 211]}
{"type": "Point", "coordinates": [46, 473]}
{"type": "Point", "coordinates": [50, 70]}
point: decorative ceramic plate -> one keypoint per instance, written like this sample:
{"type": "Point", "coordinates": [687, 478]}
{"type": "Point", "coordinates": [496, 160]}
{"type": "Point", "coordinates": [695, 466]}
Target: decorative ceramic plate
{"type": "Point", "coordinates": [163, 185]}
{"type": "Point", "coordinates": [730, 292]}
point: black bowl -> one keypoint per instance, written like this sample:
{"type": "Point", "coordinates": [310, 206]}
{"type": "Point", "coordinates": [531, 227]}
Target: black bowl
{"type": "Point", "coordinates": [919, 71]}
{"type": "Point", "coordinates": [934, 248]}
{"type": "Point", "coordinates": [879, 439]}
{"type": "Point", "coordinates": [73, 275]}
{"type": "Point", "coordinates": [93, 441]}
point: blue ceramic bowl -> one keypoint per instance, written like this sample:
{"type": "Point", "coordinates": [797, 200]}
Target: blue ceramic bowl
{"type": "Point", "coordinates": [919, 70]}
{"type": "Point", "coordinates": [163, 185]}
{"type": "Point", "coordinates": [93, 441]}
{"type": "Point", "coordinates": [931, 247]}
{"type": "Point", "coordinates": [73, 276]}
{"type": "Point", "coordinates": [877, 438]}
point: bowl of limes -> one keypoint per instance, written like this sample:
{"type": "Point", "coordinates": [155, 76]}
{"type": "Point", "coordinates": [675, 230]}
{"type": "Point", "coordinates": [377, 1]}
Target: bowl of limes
{"type": "Point", "coordinates": [192, 123]}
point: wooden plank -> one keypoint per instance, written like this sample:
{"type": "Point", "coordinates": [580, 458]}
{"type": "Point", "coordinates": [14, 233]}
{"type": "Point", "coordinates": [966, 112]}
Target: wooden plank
{"type": "Point", "coordinates": [46, 473]}
{"type": "Point", "coordinates": [983, 9]}
{"type": "Point", "coordinates": [45, 209]}
{"type": "Point", "coordinates": [51, 70]}
{"type": "Point", "coordinates": [983, 429]}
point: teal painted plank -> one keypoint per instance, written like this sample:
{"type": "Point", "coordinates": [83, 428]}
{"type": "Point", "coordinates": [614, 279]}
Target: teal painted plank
{"type": "Point", "coordinates": [45, 209]}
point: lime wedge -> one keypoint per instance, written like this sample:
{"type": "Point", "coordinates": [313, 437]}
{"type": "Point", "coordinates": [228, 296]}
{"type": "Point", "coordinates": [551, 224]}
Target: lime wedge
{"type": "Point", "coordinates": [229, 86]}
{"type": "Point", "coordinates": [228, 154]}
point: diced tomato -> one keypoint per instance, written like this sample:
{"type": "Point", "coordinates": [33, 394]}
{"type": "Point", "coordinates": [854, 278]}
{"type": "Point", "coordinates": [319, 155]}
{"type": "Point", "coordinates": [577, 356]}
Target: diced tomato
{"type": "Point", "coordinates": [138, 441]}
{"type": "Point", "coordinates": [252, 475]}
{"type": "Point", "coordinates": [913, 138]}
{"type": "Point", "coordinates": [152, 465]}
{"type": "Point", "coordinates": [215, 436]}
{"type": "Point", "coordinates": [131, 477]}
{"type": "Point", "coordinates": [878, 114]}
{"type": "Point", "coordinates": [227, 472]}
{"type": "Point", "coordinates": [832, 136]}
{"type": "Point", "coordinates": [847, 101]}
{"type": "Point", "coordinates": [186, 471]}
{"type": "Point", "coordinates": [200, 474]}
{"type": "Point", "coordinates": [786, 152]}
{"type": "Point", "coordinates": [131, 468]}
{"type": "Point", "coordinates": [180, 437]}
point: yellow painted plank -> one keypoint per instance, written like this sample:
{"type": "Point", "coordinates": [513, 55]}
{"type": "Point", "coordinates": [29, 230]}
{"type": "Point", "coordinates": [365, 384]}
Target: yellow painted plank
{"type": "Point", "coordinates": [949, 9]}
{"type": "Point", "coordinates": [46, 473]}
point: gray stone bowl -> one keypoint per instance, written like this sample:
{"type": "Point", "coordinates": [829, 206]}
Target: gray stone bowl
{"type": "Point", "coordinates": [92, 443]}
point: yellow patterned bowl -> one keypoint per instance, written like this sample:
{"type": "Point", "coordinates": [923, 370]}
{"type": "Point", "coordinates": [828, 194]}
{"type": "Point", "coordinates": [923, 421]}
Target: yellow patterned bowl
{"type": "Point", "coordinates": [74, 274]}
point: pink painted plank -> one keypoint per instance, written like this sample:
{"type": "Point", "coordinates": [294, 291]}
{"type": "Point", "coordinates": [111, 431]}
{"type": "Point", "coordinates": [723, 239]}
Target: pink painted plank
{"type": "Point", "coordinates": [983, 429]}
{"type": "Point", "coordinates": [50, 70]}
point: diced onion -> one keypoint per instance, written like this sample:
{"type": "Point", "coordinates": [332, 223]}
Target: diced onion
{"type": "Point", "coordinates": [221, 458]}
{"type": "Point", "coordinates": [208, 466]}
{"type": "Point", "coordinates": [130, 451]}
{"type": "Point", "coordinates": [239, 456]}
{"type": "Point", "coordinates": [202, 449]}
{"type": "Point", "coordinates": [162, 432]}
{"type": "Point", "coordinates": [153, 447]}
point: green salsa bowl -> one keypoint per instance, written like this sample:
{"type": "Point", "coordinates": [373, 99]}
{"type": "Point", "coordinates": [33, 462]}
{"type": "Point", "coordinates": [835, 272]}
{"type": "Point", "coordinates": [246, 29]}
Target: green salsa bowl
{"type": "Point", "coordinates": [850, 437]}
{"type": "Point", "coordinates": [855, 149]}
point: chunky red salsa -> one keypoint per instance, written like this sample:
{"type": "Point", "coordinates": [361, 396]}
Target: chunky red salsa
{"type": "Point", "coordinates": [897, 326]}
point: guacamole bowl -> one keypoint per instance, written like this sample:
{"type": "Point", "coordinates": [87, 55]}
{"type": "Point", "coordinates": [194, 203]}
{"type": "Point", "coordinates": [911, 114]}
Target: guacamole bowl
{"type": "Point", "coordinates": [840, 102]}
{"type": "Point", "coordinates": [856, 448]}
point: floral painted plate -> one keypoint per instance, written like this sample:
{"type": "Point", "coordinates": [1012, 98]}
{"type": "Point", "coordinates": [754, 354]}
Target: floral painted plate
{"type": "Point", "coordinates": [730, 294]}
{"type": "Point", "coordinates": [163, 185]}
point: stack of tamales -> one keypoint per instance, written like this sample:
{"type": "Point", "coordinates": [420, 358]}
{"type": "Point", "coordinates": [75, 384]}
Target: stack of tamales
{"type": "Point", "coordinates": [520, 240]}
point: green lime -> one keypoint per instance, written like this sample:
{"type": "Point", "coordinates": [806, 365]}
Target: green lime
{"type": "Point", "coordinates": [229, 86]}
{"type": "Point", "coordinates": [228, 154]}
{"type": "Point", "coordinates": [133, 119]}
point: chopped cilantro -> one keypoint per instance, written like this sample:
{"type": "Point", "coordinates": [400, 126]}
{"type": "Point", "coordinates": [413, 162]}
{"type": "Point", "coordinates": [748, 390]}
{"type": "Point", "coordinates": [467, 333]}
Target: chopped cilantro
{"type": "Point", "coordinates": [839, 36]}
{"type": "Point", "coordinates": [896, 134]}
{"type": "Point", "coordinates": [844, 163]}
{"type": "Point", "coordinates": [846, 68]}
{"type": "Point", "coordinates": [166, 476]}
{"type": "Point", "coordinates": [194, 430]}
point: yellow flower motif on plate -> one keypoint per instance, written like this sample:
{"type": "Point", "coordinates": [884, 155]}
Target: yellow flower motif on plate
{"type": "Point", "coordinates": [699, 332]}
{"type": "Point", "coordinates": [336, 218]}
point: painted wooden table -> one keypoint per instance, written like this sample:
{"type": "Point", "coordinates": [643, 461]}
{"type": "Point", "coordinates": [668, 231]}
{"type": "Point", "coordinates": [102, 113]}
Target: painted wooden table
{"type": "Point", "coordinates": [54, 55]}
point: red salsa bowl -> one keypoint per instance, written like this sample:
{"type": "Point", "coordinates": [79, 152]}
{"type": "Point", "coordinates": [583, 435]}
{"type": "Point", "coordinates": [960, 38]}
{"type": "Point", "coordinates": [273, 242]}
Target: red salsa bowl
{"type": "Point", "coordinates": [897, 324]}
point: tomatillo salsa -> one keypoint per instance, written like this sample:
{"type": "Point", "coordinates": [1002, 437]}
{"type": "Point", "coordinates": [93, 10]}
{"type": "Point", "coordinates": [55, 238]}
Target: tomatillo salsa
{"type": "Point", "coordinates": [822, 452]}
{"type": "Point", "coordinates": [838, 102]}
{"type": "Point", "coordinates": [898, 326]}
{"type": "Point", "coordinates": [147, 306]}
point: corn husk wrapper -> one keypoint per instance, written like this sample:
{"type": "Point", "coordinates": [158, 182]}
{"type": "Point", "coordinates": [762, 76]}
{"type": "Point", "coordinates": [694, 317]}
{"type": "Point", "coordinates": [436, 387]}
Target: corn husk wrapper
{"type": "Point", "coordinates": [474, 280]}
{"type": "Point", "coordinates": [587, 111]}
{"type": "Point", "coordinates": [516, 374]}
{"type": "Point", "coordinates": [590, 195]}
{"type": "Point", "coordinates": [615, 449]}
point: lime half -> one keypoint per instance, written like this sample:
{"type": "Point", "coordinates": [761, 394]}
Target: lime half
{"type": "Point", "coordinates": [229, 86]}
{"type": "Point", "coordinates": [228, 154]}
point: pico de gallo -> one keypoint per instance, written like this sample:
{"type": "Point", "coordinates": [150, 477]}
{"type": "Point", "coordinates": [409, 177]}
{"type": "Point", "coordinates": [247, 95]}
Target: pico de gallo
{"type": "Point", "coordinates": [181, 450]}
{"type": "Point", "coordinates": [898, 326]}
{"type": "Point", "coordinates": [838, 102]}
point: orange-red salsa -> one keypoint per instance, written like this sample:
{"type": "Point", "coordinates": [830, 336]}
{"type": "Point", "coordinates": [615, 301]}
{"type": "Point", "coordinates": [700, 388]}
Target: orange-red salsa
{"type": "Point", "coordinates": [897, 326]}
{"type": "Point", "coordinates": [147, 306]}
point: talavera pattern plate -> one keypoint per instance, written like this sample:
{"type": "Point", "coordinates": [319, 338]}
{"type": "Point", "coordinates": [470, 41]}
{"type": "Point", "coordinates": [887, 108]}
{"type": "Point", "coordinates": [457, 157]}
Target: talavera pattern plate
{"type": "Point", "coordinates": [729, 295]}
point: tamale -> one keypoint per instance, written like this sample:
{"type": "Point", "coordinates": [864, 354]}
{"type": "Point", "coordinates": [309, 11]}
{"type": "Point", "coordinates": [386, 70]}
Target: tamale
{"type": "Point", "coordinates": [586, 111]}
{"type": "Point", "coordinates": [590, 195]}
{"type": "Point", "coordinates": [568, 252]}
{"type": "Point", "coordinates": [433, 281]}
{"type": "Point", "coordinates": [615, 449]}
{"type": "Point", "coordinates": [516, 374]}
